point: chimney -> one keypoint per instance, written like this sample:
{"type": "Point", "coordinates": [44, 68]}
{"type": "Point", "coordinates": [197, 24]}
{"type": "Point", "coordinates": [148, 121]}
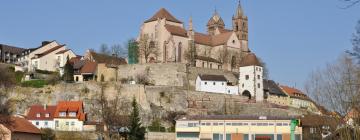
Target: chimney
{"type": "Point", "coordinates": [45, 106]}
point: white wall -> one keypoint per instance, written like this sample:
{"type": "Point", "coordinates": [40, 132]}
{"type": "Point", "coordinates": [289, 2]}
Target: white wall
{"type": "Point", "coordinates": [210, 86]}
{"type": "Point", "coordinates": [66, 124]}
{"type": "Point", "coordinates": [254, 84]}
{"type": "Point", "coordinates": [42, 123]}
{"type": "Point", "coordinates": [234, 90]}
{"type": "Point", "coordinates": [38, 51]}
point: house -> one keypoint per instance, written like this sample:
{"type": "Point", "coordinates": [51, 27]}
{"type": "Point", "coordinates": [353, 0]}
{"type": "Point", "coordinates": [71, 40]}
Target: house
{"type": "Point", "coordinates": [215, 84]}
{"type": "Point", "coordinates": [235, 127]}
{"type": "Point", "coordinates": [69, 116]}
{"type": "Point", "coordinates": [84, 70]}
{"type": "Point", "coordinates": [10, 54]}
{"type": "Point", "coordinates": [50, 56]}
{"type": "Point", "coordinates": [274, 94]}
{"type": "Point", "coordinates": [97, 66]}
{"type": "Point", "coordinates": [318, 127]}
{"type": "Point", "coordinates": [298, 99]}
{"type": "Point", "coordinates": [42, 116]}
{"type": "Point", "coordinates": [17, 128]}
{"type": "Point", "coordinates": [219, 48]}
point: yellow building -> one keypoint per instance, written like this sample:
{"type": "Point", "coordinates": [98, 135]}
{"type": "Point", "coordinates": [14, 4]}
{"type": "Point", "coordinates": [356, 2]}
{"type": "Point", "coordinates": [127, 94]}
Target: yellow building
{"type": "Point", "coordinates": [236, 127]}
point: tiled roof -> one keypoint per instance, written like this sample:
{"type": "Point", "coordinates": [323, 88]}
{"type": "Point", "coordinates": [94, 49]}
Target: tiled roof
{"type": "Point", "coordinates": [215, 40]}
{"type": "Point", "coordinates": [35, 109]}
{"type": "Point", "coordinates": [250, 60]}
{"type": "Point", "coordinates": [294, 93]}
{"type": "Point", "coordinates": [71, 106]}
{"type": "Point", "coordinates": [49, 51]}
{"type": "Point", "coordinates": [63, 51]}
{"type": "Point", "coordinates": [163, 14]}
{"type": "Point", "coordinates": [212, 77]}
{"type": "Point", "coordinates": [176, 30]}
{"type": "Point", "coordinates": [17, 124]}
{"type": "Point", "coordinates": [103, 58]}
{"type": "Point", "coordinates": [273, 88]}
{"type": "Point", "coordinates": [89, 67]}
{"type": "Point", "coordinates": [235, 117]}
{"type": "Point", "coordinates": [11, 49]}
{"type": "Point", "coordinates": [204, 39]}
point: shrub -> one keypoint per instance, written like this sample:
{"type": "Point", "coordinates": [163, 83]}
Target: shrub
{"type": "Point", "coordinates": [47, 134]}
{"type": "Point", "coordinates": [44, 71]}
{"type": "Point", "coordinates": [53, 78]}
{"type": "Point", "coordinates": [156, 126]}
{"type": "Point", "coordinates": [18, 76]}
{"type": "Point", "coordinates": [34, 83]}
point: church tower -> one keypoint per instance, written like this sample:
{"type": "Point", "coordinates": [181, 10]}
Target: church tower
{"type": "Point", "coordinates": [240, 23]}
{"type": "Point", "coordinates": [215, 24]}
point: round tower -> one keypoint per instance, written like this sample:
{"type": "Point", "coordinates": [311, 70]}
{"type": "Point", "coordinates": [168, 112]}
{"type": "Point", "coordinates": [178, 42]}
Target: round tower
{"type": "Point", "coordinates": [251, 78]}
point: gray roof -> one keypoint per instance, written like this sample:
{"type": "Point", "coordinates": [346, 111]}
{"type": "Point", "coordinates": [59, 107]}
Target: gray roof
{"type": "Point", "coordinates": [213, 78]}
{"type": "Point", "coordinates": [273, 88]}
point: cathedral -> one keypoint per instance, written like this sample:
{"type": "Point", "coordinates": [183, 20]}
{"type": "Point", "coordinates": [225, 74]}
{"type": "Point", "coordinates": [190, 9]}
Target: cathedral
{"type": "Point", "coordinates": [165, 39]}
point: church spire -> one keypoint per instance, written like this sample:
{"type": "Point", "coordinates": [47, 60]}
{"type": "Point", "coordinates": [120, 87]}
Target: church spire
{"type": "Point", "coordinates": [239, 10]}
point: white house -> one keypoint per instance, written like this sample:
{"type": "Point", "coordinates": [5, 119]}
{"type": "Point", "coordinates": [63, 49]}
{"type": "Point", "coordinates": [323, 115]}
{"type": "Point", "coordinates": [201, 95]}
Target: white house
{"type": "Point", "coordinates": [251, 77]}
{"type": "Point", "coordinates": [69, 116]}
{"type": "Point", "coordinates": [42, 116]}
{"type": "Point", "coordinates": [211, 83]}
{"type": "Point", "coordinates": [62, 57]}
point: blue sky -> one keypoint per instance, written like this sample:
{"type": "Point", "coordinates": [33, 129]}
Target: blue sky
{"type": "Point", "coordinates": [293, 37]}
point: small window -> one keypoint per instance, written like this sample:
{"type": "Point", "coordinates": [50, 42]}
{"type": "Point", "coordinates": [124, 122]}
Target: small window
{"type": "Point", "coordinates": [258, 85]}
{"type": "Point", "coordinates": [46, 123]}
{"type": "Point", "coordinates": [215, 124]}
{"type": "Point", "coordinates": [62, 114]}
{"type": "Point", "coordinates": [214, 83]}
{"type": "Point", "coordinates": [258, 76]}
{"type": "Point", "coordinates": [37, 123]}
{"type": "Point", "coordinates": [47, 115]}
{"type": "Point", "coordinates": [72, 114]}
{"type": "Point", "coordinates": [205, 83]}
{"type": "Point", "coordinates": [210, 66]}
{"type": "Point", "coordinates": [233, 41]}
{"type": "Point", "coordinates": [247, 77]}
{"type": "Point", "coordinates": [56, 123]}
{"type": "Point", "coordinates": [242, 85]}
{"type": "Point", "coordinates": [222, 83]}
{"type": "Point", "coordinates": [259, 69]}
{"type": "Point", "coordinates": [67, 123]}
{"type": "Point", "coordinates": [228, 124]}
{"type": "Point", "coordinates": [37, 115]}
{"type": "Point", "coordinates": [72, 123]}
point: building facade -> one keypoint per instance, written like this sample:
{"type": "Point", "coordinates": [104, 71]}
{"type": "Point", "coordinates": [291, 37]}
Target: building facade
{"type": "Point", "coordinates": [42, 116]}
{"type": "Point", "coordinates": [69, 116]}
{"type": "Point", "coordinates": [235, 128]}
{"type": "Point", "coordinates": [164, 39]}
{"type": "Point", "coordinates": [10, 54]}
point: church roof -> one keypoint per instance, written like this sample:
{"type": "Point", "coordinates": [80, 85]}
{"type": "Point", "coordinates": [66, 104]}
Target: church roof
{"type": "Point", "coordinates": [215, 40]}
{"type": "Point", "coordinates": [163, 14]}
{"type": "Point", "coordinates": [250, 60]}
{"type": "Point", "coordinates": [176, 30]}
{"type": "Point", "coordinates": [216, 19]}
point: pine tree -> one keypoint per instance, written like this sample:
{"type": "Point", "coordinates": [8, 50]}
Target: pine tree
{"type": "Point", "coordinates": [68, 71]}
{"type": "Point", "coordinates": [137, 132]}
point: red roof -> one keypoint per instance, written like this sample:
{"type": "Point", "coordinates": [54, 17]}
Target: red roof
{"type": "Point", "coordinates": [40, 109]}
{"type": "Point", "coordinates": [293, 92]}
{"type": "Point", "coordinates": [89, 67]}
{"type": "Point", "coordinates": [163, 14]}
{"type": "Point", "coordinates": [17, 124]}
{"type": "Point", "coordinates": [71, 106]}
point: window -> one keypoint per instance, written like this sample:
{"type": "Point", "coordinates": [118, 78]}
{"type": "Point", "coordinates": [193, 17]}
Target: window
{"type": "Point", "coordinates": [203, 64]}
{"type": "Point", "coordinates": [253, 124]}
{"type": "Point", "coordinates": [56, 123]}
{"type": "Point", "coordinates": [242, 85]}
{"type": "Point", "coordinates": [214, 83]}
{"type": "Point", "coordinates": [233, 41]}
{"type": "Point", "coordinates": [247, 77]}
{"type": "Point", "coordinates": [203, 124]}
{"type": "Point", "coordinates": [228, 124]}
{"type": "Point", "coordinates": [278, 124]}
{"type": "Point", "coordinates": [210, 66]}
{"type": "Point", "coordinates": [215, 124]}
{"type": "Point", "coordinates": [47, 115]}
{"type": "Point", "coordinates": [37, 115]}
{"type": "Point", "coordinates": [67, 123]}
{"type": "Point", "coordinates": [46, 123]}
{"type": "Point", "coordinates": [72, 114]}
{"type": "Point", "coordinates": [62, 114]}
{"type": "Point", "coordinates": [221, 123]}
{"type": "Point", "coordinates": [222, 83]}
{"type": "Point", "coordinates": [208, 124]}
{"type": "Point", "coordinates": [72, 123]}
{"type": "Point", "coordinates": [37, 123]}
{"type": "Point", "coordinates": [205, 83]}
{"type": "Point", "coordinates": [258, 85]}
{"type": "Point", "coordinates": [259, 69]}
{"type": "Point", "coordinates": [258, 76]}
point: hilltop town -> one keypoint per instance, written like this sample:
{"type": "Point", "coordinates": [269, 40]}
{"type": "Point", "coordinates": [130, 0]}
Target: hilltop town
{"type": "Point", "coordinates": [187, 85]}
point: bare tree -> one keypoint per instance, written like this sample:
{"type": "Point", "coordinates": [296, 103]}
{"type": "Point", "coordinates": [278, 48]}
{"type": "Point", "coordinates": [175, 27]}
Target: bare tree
{"type": "Point", "coordinates": [355, 52]}
{"type": "Point", "coordinates": [147, 47]}
{"type": "Point", "coordinates": [104, 49]}
{"type": "Point", "coordinates": [119, 50]}
{"type": "Point", "coordinates": [350, 3]}
{"type": "Point", "coordinates": [114, 112]}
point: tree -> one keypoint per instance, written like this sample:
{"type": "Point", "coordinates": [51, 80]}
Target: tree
{"type": "Point", "coordinates": [68, 71]}
{"type": "Point", "coordinates": [350, 3]}
{"type": "Point", "coordinates": [265, 69]}
{"type": "Point", "coordinates": [356, 43]}
{"type": "Point", "coordinates": [147, 47]}
{"type": "Point", "coordinates": [7, 81]}
{"type": "Point", "coordinates": [104, 49]}
{"type": "Point", "coordinates": [47, 134]}
{"type": "Point", "coordinates": [119, 51]}
{"type": "Point", "coordinates": [137, 132]}
{"type": "Point", "coordinates": [133, 55]}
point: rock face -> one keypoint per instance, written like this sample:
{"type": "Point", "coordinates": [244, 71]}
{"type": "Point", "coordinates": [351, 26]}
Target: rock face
{"type": "Point", "coordinates": [171, 93]}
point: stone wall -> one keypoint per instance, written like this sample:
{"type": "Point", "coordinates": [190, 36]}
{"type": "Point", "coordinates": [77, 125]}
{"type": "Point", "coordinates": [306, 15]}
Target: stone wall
{"type": "Point", "coordinates": [160, 136]}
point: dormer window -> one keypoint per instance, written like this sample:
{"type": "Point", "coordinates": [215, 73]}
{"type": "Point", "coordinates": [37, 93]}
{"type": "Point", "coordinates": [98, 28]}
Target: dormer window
{"type": "Point", "coordinates": [72, 114]}
{"type": "Point", "coordinates": [62, 114]}
{"type": "Point", "coordinates": [38, 115]}
{"type": "Point", "coordinates": [47, 115]}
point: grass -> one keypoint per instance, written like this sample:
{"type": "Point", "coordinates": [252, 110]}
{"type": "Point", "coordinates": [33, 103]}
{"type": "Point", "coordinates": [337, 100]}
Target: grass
{"type": "Point", "coordinates": [34, 83]}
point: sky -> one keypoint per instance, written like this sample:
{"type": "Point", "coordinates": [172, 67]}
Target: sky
{"type": "Point", "coordinates": [293, 37]}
